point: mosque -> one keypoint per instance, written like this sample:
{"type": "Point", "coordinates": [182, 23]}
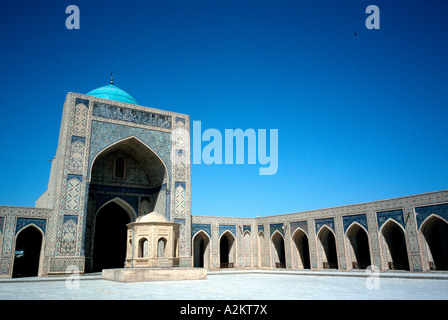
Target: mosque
{"type": "Point", "coordinates": [118, 163]}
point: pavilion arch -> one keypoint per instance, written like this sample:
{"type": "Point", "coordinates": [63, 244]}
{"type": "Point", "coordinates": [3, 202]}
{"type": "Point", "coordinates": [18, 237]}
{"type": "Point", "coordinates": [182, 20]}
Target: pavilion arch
{"type": "Point", "coordinates": [152, 163]}
{"type": "Point", "coordinates": [278, 253]}
{"type": "Point", "coordinates": [227, 250]}
{"type": "Point", "coordinates": [326, 248]}
{"type": "Point", "coordinates": [161, 247]}
{"type": "Point", "coordinates": [143, 247]}
{"type": "Point", "coordinates": [201, 250]}
{"type": "Point", "coordinates": [393, 246]}
{"type": "Point", "coordinates": [301, 249]}
{"type": "Point", "coordinates": [433, 236]}
{"type": "Point", "coordinates": [357, 246]}
{"type": "Point", "coordinates": [31, 240]}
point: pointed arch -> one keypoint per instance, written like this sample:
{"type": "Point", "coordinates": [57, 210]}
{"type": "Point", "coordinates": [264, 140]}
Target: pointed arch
{"type": "Point", "coordinates": [123, 204]}
{"type": "Point", "coordinates": [357, 246]}
{"type": "Point", "coordinates": [161, 247]}
{"type": "Point", "coordinates": [110, 236]}
{"type": "Point", "coordinates": [152, 162]}
{"type": "Point", "coordinates": [327, 251]}
{"type": "Point", "coordinates": [28, 247]}
{"type": "Point", "coordinates": [278, 253]}
{"type": "Point", "coordinates": [301, 250]}
{"type": "Point", "coordinates": [393, 246]}
{"type": "Point", "coordinates": [201, 244]}
{"type": "Point", "coordinates": [227, 250]}
{"type": "Point", "coordinates": [433, 235]}
{"type": "Point", "coordinates": [143, 248]}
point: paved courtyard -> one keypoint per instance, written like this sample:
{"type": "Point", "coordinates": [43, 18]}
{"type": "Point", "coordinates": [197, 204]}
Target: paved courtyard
{"type": "Point", "coordinates": [235, 286]}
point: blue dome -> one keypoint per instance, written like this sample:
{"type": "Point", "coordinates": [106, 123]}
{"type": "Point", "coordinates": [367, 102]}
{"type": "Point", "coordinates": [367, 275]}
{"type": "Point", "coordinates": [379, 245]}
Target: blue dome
{"type": "Point", "coordinates": [112, 92]}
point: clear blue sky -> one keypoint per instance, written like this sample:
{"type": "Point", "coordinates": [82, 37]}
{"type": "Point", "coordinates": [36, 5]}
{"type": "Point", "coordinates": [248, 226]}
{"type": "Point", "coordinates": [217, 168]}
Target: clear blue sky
{"type": "Point", "coordinates": [360, 118]}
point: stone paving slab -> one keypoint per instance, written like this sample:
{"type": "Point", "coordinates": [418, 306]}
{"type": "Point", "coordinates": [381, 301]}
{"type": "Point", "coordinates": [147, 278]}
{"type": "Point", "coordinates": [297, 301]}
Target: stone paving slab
{"type": "Point", "coordinates": [228, 285]}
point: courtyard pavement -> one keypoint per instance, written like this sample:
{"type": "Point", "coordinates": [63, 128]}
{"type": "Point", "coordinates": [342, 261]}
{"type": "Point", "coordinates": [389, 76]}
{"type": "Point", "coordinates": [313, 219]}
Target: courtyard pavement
{"type": "Point", "coordinates": [237, 285]}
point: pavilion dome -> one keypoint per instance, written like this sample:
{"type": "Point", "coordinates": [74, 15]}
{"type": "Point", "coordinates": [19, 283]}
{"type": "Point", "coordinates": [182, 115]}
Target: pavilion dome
{"type": "Point", "coordinates": [112, 92]}
{"type": "Point", "coordinates": [152, 217]}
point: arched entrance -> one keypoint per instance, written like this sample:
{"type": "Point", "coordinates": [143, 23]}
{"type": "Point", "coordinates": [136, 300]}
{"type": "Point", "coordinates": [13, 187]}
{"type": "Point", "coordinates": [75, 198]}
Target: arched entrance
{"type": "Point", "coordinates": [394, 246]}
{"type": "Point", "coordinates": [27, 252]}
{"type": "Point", "coordinates": [302, 249]}
{"type": "Point", "coordinates": [435, 237]}
{"type": "Point", "coordinates": [279, 256]}
{"type": "Point", "coordinates": [109, 245]}
{"type": "Point", "coordinates": [358, 251]}
{"type": "Point", "coordinates": [201, 252]}
{"type": "Point", "coordinates": [227, 250]}
{"type": "Point", "coordinates": [129, 174]}
{"type": "Point", "coordinates": [327, 249]}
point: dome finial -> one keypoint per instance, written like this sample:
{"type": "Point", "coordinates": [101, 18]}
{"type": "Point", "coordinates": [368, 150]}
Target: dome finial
{"type": "Point", "coordinates": [111, 78]}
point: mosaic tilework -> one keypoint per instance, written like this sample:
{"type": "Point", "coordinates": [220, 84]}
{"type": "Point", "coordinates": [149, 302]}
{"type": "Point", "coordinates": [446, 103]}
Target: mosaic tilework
{"type": "Point", "coordinates": [276, 227]}
{"type": "Point", "coordinates": [73, 194]}
{"type": "Point", "coordinates": [359, 218]}
{"type": "Point", "coordinates": [59, 265]}
{"type": "Point", "coordinates": [14, 220]}
{"type": "Point", "coordinates": [396, 215]}
{"type": "Point", "coordinates": [77, 154]}
{"type": "Point", "coordinates": [179, 202]}
{"type": "Point", "coordinates": [80, 119]}
{"type": "Point", "coordinates": [24, 222]}
{"type": "Point", "coordinates": [64, 225]}
{"type": "Point", "coordinates": [227, 227]}
{"type": "Point", "coordinates": [68, 240]}
{"type": "Point", "coordinates": [299, 224]}
{"type": "Point", "coordinates": [424, 212]}
{"type": "Point", "coordinates": [329, 222]}
{"type": "Point", "coordinates": [104, 134]}
{"type": "Point", "coordinates": [131, 115]}
{"type": "Point", "coordinates": [195, 228]}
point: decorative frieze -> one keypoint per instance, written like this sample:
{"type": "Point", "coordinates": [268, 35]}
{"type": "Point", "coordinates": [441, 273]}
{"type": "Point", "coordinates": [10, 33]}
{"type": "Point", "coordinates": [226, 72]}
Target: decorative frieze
{"type": "Point", "coordinates": [131, 115]}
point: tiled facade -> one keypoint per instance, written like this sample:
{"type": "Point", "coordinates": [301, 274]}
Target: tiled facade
{"type": "Point", "coordinates": [94, 130]}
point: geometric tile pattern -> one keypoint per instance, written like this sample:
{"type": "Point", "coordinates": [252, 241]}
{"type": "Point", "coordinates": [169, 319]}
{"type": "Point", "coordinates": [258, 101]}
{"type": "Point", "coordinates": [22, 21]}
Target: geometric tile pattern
{"type": "Point", "coordinates": [81, 109]}
{"type": "Point", "coordinates": [396, 215]}
{"type": "Point", "coordinates": [179, 202]}
{"type": "Point", "coordinates": [201, 227]}
{"type": "Point", "coordinates": [329, 222]}
{"type": "Point", "coordinates": [73, 194]}
{"type": "Point", "coordinates": [23, 222]}
{"type": "Point", "coordinates": [84, 135]}
{"type": "Point", "coordinates": [359, 218]}
{"type": "Point", "coordinates": [68, 237]}
{"type": "Point", "coordinates": [77, 154]}
{"type": "Point", "coordinates": [224, 228]}
{"type": "Point", "coordinates": [105, 134]}
{"type": "Point", "coordinates": [277, 227]}
{"type": "Point", "coordinates": [130, 115]}
{"type": "Point", "coordinates": [299, 224]}
{"type": "Point", "coordinates": [423, 212]}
